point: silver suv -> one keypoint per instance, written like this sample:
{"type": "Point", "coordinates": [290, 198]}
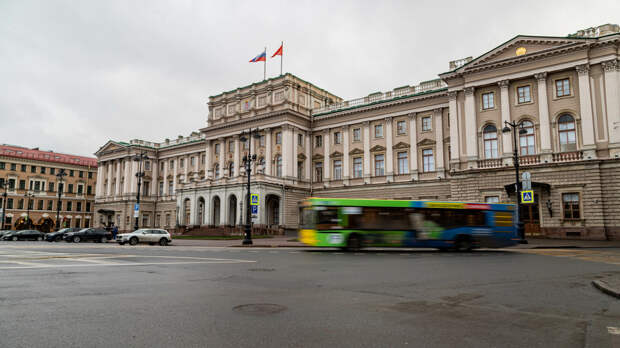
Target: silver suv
{"type": "Point", "coordinates": [145, 235]}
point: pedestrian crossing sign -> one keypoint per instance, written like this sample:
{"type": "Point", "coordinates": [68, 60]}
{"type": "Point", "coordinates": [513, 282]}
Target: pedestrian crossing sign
{"type": "Point", "coordinates": [527, 196]}
{"type": "Point", "coordinates": [254, 199]}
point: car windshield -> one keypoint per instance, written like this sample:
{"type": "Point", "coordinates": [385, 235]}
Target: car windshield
{"type": "Point", "coordinates": [142, 231]}
{"type": "Point", "coordinates": [84, 230]}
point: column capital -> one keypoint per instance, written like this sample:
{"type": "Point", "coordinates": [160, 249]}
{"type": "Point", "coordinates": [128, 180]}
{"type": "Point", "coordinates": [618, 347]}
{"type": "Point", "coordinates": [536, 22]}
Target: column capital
{"type": "Point", "coordinates": [541, 77]}
{"type": "Point", "coordinates": [388, 119]}
{"type": "Point", "coordinates": [412, 115]}
{"type": "Point", "coordinates": [583, 69]}
{"type": "Point", "coordinates": [469, 91]}
{"type": "Point", "coordinates": [438, 111]}
{"type": "Point", "coordinates": [366, 123]}
{"type": "Point", "coordinates": [610, 65]}
{"type": "Point", "coordinates": [452, 95]}
{"type": "Point", "coordinates": [503, 84]}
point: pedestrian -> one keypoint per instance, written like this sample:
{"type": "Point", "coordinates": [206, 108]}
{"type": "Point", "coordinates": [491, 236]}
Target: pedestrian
{"type": "Point", "coordinates": [114, 232]}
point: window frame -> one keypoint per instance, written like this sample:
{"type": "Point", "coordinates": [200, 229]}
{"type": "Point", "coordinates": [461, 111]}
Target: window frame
{"type": "Point", "coordinates": [493, 151]}
{"type": "Point", "coordinates": [572, 130]}
{"type": "Point", "coordinates": [359, 135]}
{"type": "Point", "coordinates": [490, 100]}
{"type": "Point", "coordinates": [380, 168]}
{"type": "Point", "coordinates": [401, 130]}
{"type": "Point", "coordinates": [518, 96]}
{"type": "Point", "coordinates": [572, 212]}
{"type": "Point", "coordinates": [361, 167]}
{"type": "Point", "coordinates": [426, 123]}
{"type": "Point", "coordinates": [337, 169]}
{"type": "Point", "coordinates": [378, 127]}
{"type": "Point", "coordinates": [556, 90]}
{"type": "Point", "coordinates": [428, 160]}
{"type": "Point", "coordinates": [528, 136]}
{"type": "Point", "coordinates": [404, 161]}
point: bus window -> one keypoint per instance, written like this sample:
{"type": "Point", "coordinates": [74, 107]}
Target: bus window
{"type": "Point", "coordinates": [308, 218]}
{"type": "Point", "coordinates": [327, 218]}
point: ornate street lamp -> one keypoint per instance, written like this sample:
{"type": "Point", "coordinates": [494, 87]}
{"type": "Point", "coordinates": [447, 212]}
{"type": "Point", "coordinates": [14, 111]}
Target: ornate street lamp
{"type": "Point", "coordinates": [29, 195]}
{"type": "Point", "coordinates": [247, 164]}
{"type": "Point", "coordinates": [4, 185]}
{"type": "Point", "coordinates": [61, 174]}
{"type": "Point", "coordinates": [140, 174]}
{"type": "Point", "coordinates": [512, 127]}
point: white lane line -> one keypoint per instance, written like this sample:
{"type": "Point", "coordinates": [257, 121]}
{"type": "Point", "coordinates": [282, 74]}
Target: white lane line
{"type": "Point", "coordinates": [33, 266]}
{"type": "Point", "coordinates": [293, 252]}
{"type": "Point", "coordinates": [613, 330]}
{"type": "Point", "coordinates": [274, 252]}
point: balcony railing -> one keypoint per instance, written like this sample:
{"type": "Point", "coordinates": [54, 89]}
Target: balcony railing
{"type": "Point", "coordinates": [376, 97]}
{"type": "Point", "coordinates": [567, 156]}
{"type": "Point", "coordinates": [490, 163]}
{"type": "Point", "coordinates": [529, 160]}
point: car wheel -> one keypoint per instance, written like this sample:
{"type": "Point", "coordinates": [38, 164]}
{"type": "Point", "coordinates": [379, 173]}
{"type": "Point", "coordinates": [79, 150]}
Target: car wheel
{"type": "Point", "coordinates": [163, 242]}
{"type": "Point", "coordinates": [463, 243]}
{"type": "Point", "coordinates": [76, 239]}
{"type": "Point", "coordinates": [355, 242]}
{"type": "Point", "coordinates": [39, 239]}
{"type": "Point", "coordinates": [15, 239]}
{"type": "Point", "coordinates": [102, 240]}
{"type": "Point", "coordinates": [58, 239]}
{"type": "Point", "coordinates": [133, 241]}
{"type": "Point", "coordinates": [121, 243]}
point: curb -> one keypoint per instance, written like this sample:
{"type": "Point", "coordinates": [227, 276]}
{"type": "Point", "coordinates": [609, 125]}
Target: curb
{"type": "Point", "coordinates": [606, 288]}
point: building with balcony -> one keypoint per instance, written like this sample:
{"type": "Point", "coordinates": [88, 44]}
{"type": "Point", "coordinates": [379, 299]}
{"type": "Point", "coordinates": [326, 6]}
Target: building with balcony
{"type": "Point", "coordinates": [441, 139]}
{"type": "Point", "coordinates": [32, 188]}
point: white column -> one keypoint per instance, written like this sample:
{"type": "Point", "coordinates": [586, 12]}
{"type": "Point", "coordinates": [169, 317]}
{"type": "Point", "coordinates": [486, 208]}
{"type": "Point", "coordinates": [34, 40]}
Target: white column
{"type": "Point", "coordinates": [268, 157]}
{"type": "Point", "coordinates": [366, 136]}
{"type": "Point", "coordinates": [345, 153]}
{"type": "Point", "coordinates": [222, 155]}
{"type": "Point", "coordinates": [237, 156]}
{"type": "Point", "coordinates": [308, 162]}
{"type": "Point", "coordinates": [109, 178]}
{"type": "Point", "coordinates": [454, 128]}
{"type": "Point", "coordinates": [166, 164]}
{"type": "Point", "coordinates": [413, 147]}
{"type": "Point", "coordinates": [612, 99]}
{"type": "Point", "coordinates": [438, 116]}
{"type": "Point", "coordinates": [294, 154]}
{"type": "Point", "coordinates": [134, 178]}
{"type": "Point", "coordinates": [389, 156]}
{"type": "Point", "coordinates": [185, 169]}
{"type": "Point", "coordinates": [505, 109]}
{"type": "Point", "coordinates": [471, 127]}
{"type": "Point", "coordinates": [192, 210]}
{"type": "Point", "coordinates": [208, 160]}
{"type": "Point", "coordinates": [99, 187]}
{"type": "Point", "coordinates": [287, 151]}
{"type": "Point", "coordinates": [155, 178]}
{"type": "Point", "coordinates": [585, 107]}
{"type": "Point", "coordinates": [174, 176]}
{"type": "Point", "coordinates": [326, 160]}
{"type": "Point", "coordinates": [127, 175]}
{"type": "Point", "coordinates": [543, 114]}
{"type": "Point", "coordinates": [117, 176]}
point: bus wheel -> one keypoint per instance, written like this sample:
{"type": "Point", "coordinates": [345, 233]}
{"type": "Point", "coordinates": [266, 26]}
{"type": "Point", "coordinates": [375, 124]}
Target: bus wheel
{"type": "Point", "coordinates": [354, 242]}
{"type": "Point", "coordinates": [463, 243]}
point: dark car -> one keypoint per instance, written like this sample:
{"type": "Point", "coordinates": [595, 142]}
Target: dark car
{"type": "Point", "coordinates": [58, 235]}
{"type": "Point", "coordinates": [24, 235]}
{"type": "Point", "coordinates": [94, 234]}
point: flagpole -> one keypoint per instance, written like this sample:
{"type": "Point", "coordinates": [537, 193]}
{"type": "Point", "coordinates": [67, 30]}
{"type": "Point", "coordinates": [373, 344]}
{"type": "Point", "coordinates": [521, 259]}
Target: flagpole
{"type": "Point", "coordinates": [281, 57]}
{"type": "Point", "coordinates": [265, 66]}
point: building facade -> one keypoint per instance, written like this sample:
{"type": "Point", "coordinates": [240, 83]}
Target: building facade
{"type": "Point", "coordinates": [441, 139]}
{"type": "Point", "coordinates": [30, 179]}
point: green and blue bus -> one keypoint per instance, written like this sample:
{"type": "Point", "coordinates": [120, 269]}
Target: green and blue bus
{"type": "Point", "coordinates": [357, 223]}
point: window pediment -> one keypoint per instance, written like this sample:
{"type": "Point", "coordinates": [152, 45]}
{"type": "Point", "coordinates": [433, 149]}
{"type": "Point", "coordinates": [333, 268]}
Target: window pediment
{"type": "Point", "coordinates": [377, 148]}
{"type": "Point", "coordinates": [356, 152]}
{"type": "Point", "coordinates": [336, 154]}
{"type": "Point", "coordinates": [426, 142]}
{"type": "Point", "coordinates": [301, 156]}
{"type": "Point", "coordinates": [317, 157]}
{"type": "Point", "coordinates": [401, 145]}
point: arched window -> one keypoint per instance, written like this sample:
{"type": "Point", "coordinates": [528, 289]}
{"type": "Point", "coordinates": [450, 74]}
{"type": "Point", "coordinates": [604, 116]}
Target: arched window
{"type": "Point", "coordinates": [278, 165]}
{"type": "Point", "coordinates": [566, 132]}
{"type": "Point", "coordinates": [526, 140]}
{"type": "Point", "coordinates": [489, 134]}
{"type": "Point", "coordinates": [216, 170]}
{"type": "Point", "coordinates": [231, 169]}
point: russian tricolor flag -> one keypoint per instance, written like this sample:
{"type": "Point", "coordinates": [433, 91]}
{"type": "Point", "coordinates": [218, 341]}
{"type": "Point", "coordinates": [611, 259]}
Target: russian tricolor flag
{"type": "Point", "coordinates": [260, 58]}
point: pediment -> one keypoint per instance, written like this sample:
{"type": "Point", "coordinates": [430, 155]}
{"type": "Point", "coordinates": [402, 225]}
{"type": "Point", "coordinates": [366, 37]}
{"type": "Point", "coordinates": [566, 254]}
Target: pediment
{"type": "Point", "coordinates": [377, 148]}
{"type": "Point", "coordinates": [401, 145]}
{"type": "Point", "coordinates": [335, 154]}
{"type": "Point", "coordinates": [426, 142]}
{"type": "Point", "coordinates": [301, 156]}
{"type": "Point", "coordinates": [110, 146]}
{"type": "Point", "coordinates": [317, 157]}
{"type": "Point", "coordinates": [356, 152]}
{"type": "Point", "coordinates": [513, 49]}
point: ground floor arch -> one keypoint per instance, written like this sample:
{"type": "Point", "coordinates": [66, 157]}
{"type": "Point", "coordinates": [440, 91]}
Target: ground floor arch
{"type": "Point", "coordinates": [232, 210]}
{"type": "Point", "coordinates": [186, 212]}
{"type": "Point", "coordinates": [216, 208]}
{"type": "Point", "coordinates": [272, 206]}
{"type": "Point", "coordinates": [200, 211]}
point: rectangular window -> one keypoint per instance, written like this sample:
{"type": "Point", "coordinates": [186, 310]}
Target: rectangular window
{"type": "Point", "coordinates": [23, 167]}
{"type": "Point", "coordinates": [491, 199]}
{"type": "Point", "coordinates": [357, 167]}
{"type": "Point", "coordinates": [147, 165]}
{"type": "Point", "coordinates": [51, 186]}
{"type": "Point", "coordinates": [53, 171]}
{"type": "Point", "coordinates": [318, 171]}
{"type": "Point", "coordinates": [379, 131]}
{"type": "Point", "coordinates": [13, 166]}
{"type": "Point", "coordinates": [262, 100]}
{"type": "Point", "coordinates": [42, 170]}
{"type": "Point", "coordinates": [71, 173]}
{"type": "Point", "coordinates": [571, 206]}
{"type": "Point", "coordinates": [427, 124]}
{"type": "Point", "coordinates": [81, 173]}
{"type": "Point", "coordinates": [40, 205]}
{"type": "Point", "coordinates": [69, 205]}
{"type": "Point", "coordinates": [300, 170]}
{"type": "Point", "coordinates": [9, 203]}
{"type": "Point", "coordinates": [318, 141]}
{"type": "Point", "coordinates": [357, 134]}
{"type": "Point", "coordinates": [337, 169]}
{"type": "Point", "coordinates": [161, 188]}
{"type": "Point", "coordinates": [278, 96]}
{"type": "Point", "coordinates": [182, 163]}
{"type": "Point", "coordinates": [90, 175]}
{"type": "Point", "coordinates": [22, 184]}
{"type": "Point", "coordinates": [50, 205]}
{"type": "Point", "coordinates": [300, 139]}
{"type": "Point", "coordinates": [261, 141]}
{"type": "Point", "coordinates": [70, 187]}
{"type": "Point", "coordinates": [487, 101]}
{"type": "Point", "coordinates": [279, 138]}
{"type": "Point", "coordinates": [170, 187]}
{"type": "Point", "coordinates": [337, 137]}
{"type": "Point", "coordinates": [78, 206]}
{"type": "Point", "coordinates": [562, 87]}
{"type": "Point", "coordinates": [231, 146]}
{"type": "Point", "coordinates": [33, 169]}
{"type": "Point", "coordinates": [401, 127]}
{"type": "Point", "coordinates": [80, 189]}
{"type": "Point", "coordinates": [379, 165]}
{"type": "Point", "coordinates": [20, 204]}
{"type": "Point", "coordinates": [428, 160]}
{"type": "Point", "coordinates": [403, 163]}
{"type": "Point", "coordinates": [2, 165]}
{"type": "Point", "coordinates": [217, 148]}
{"type": "Point", "coordinates": [168, 216]}
{"type": "Point", "coordinates": [523, 94]}
{"type": "Point", "coordinates": [87, 206]}
{"type": "Point", "coordinates": [89, 190]}
{"type": "Point", "coordinates": [11, 184]}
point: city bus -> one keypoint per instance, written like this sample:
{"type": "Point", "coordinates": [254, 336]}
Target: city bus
{"type": "Point", "coordinates": [356, 223]}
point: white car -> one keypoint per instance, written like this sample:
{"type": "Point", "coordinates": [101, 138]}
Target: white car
{"type": "Point", "coordinates": [145, 235]}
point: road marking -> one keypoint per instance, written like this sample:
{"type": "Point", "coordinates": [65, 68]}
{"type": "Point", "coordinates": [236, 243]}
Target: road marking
{"type": "Point", "coordinates": [613, 330]}
{"type": "Point", "coordinates": [130, 264]}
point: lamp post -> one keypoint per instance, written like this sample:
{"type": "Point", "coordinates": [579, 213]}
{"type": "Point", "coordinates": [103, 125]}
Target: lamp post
{"type": "Point", "coordinates": [29, 195]}
{"type": "Point", "coordinates": [514, 128]}
{"type": "Point", "coordinates": [247, 163]}
{"type": "Point", "coordinates": [140, 174]}
{"type": "Point", "coordinates": [61, 174]}
{"type": "Point", "coordinates": [4, 185]}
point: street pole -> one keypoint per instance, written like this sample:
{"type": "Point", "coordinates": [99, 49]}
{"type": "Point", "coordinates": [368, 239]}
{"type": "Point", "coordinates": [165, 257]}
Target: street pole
{"type": "Point", "coordinates": [29, 195]}
{"type": "Point", "coordinates": [247, 161]}
{"type": "Point", "coordinates": [514, 127]}
{"type": "Point", "coordinates": [140, 158]}
{"type": "Point", "coordinates": [60, 176]}
{"type": "Point", "coordinates": [4, 195]}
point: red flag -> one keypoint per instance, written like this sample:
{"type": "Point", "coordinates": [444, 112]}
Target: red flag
{"type": "Point", "coordinates": [278, 52]}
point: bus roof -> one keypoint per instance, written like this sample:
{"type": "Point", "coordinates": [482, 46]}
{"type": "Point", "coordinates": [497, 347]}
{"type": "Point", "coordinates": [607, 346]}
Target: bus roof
{"type": "Point", "coordinates": [366, 202]}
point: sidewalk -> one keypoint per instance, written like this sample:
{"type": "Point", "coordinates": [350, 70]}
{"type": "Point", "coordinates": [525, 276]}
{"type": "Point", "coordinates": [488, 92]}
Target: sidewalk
{"type": "Point", "coordinates": [546, 243]}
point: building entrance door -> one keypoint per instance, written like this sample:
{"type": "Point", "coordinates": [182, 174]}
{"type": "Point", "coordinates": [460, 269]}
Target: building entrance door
{"type": "Point", "coordinates": [530, 216]}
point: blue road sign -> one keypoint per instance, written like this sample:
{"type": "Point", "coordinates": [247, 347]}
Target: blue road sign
{"type": "Point", "coordinates": [136, 207]}
{"type": "Point", "coordinates": [527, 196]}
{"type": "Point", "coordinates": [254, 199]}
{"type": "Point", "coordinates": [254, 209]}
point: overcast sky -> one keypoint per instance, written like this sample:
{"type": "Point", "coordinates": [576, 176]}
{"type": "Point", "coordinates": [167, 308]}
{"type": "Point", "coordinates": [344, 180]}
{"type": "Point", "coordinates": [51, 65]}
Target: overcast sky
{"type": "Point", "coordinates": [74, 74]}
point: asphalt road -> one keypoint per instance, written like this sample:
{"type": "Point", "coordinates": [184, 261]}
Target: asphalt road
{"type": "Point", "coordinates": [94, 295]}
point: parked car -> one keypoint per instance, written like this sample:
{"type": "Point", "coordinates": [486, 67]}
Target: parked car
{"type": "Point", "coordinates": [4, 232]}
{"type": "Point", "coordinates": [24, 235]}
{"type": "Point", "coordinates": [58, 235]}
{"type": "Point", "coordinates": [145, 235]}
{"type": "Point", "coordinates": [85, 234]}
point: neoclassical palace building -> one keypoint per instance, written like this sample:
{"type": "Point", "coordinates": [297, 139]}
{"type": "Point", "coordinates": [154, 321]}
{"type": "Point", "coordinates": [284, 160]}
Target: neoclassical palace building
{"type": "Point", "coordinates": [440, 140]}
